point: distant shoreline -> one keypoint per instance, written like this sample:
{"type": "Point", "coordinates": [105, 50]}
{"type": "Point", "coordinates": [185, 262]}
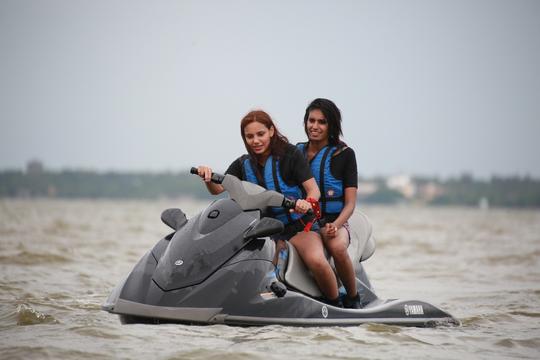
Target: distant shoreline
{"type": "Point", "coordinates": [36, 182]}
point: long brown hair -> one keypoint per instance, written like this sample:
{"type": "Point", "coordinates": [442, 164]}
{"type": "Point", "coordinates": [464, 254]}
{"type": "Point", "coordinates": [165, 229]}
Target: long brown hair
{"type": "Point", "coordinates": [278, 142]}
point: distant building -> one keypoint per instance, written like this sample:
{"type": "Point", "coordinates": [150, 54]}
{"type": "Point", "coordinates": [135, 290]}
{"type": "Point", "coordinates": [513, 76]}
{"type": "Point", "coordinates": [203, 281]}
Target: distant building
{"type": "Point", "coordinates": [430, 191]}
{"type": "Point", "coordinates": [34, 167]}
{"type": "Point", "coordinates": [402, 184]}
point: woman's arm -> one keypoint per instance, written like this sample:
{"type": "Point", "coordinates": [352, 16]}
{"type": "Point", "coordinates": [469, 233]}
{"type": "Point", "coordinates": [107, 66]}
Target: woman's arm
{"type": "Point", "coordinates": [312, 191]}
{"type": "Point", "coordinates": [348, 207]}
{"type": "Point", "coordinates": [347, 167]}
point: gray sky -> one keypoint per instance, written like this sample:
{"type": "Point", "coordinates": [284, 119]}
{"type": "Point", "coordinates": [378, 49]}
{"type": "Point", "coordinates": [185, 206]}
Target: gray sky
{"type": "Point", "coordinates": [425, 87]}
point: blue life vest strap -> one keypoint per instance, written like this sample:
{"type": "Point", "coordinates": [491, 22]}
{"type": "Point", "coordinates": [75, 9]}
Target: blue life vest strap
{"type": "Point", "coordinates": [323, 200]}
{"type": "Point", "coordinates": [278, 188]}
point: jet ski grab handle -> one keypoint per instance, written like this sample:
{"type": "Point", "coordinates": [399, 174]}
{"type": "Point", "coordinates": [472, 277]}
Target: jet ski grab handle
{"type": "Point", "coordinates": [241, 190]}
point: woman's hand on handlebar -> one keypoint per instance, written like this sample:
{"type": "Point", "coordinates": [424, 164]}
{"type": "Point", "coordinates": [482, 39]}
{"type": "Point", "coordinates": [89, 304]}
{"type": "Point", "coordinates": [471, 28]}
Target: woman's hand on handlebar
{"type": "Point", "coordinates": [205, 172]}
{"type": "Point", "coordinates": [302, 206]}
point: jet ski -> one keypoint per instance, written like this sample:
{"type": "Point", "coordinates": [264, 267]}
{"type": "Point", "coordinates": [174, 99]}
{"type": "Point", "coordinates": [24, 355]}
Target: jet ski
{"type": "Point", "coordinates": [219, 267]}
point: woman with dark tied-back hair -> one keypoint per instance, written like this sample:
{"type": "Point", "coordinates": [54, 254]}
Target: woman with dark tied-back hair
{"type": "Point", "coordinates": [275, 164]}
{"type": "Point", "coordinates": [333, 164]}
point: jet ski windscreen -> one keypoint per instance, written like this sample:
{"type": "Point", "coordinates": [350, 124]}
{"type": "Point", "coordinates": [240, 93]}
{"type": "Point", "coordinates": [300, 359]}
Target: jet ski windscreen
{"type": "Point", "coordinates": [202, 245]}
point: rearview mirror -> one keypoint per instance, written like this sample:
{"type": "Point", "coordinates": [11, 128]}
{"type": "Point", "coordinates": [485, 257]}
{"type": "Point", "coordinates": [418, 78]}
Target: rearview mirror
{"type": "Point", "coordinates": [175, 218]}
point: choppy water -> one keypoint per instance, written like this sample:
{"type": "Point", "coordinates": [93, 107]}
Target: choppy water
{"type": "Point", "coordinates": [59, 260]}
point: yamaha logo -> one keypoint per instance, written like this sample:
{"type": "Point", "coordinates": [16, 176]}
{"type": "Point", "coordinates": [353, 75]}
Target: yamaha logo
{"type": "Point", "coordinates": [413, 310]}
{"type": "Point", "coordinates": [330, 192]}
{"type": "Point", "coordinates": [324, 311]}
{"type": "Point", "coordinates": [178, 262]}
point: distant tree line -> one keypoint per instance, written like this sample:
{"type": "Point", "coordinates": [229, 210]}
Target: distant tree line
{"type": "Point", "coordinates": [89, 184]}
{"type": "Point", "coordinates": [512, 191]}
{"type": "Point", "coordinates": [498, 191]}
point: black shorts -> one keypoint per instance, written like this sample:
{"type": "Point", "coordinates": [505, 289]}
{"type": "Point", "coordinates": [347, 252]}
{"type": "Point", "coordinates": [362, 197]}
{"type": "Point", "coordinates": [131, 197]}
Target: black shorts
{"type": "Point", "coordinates": [287, 235]}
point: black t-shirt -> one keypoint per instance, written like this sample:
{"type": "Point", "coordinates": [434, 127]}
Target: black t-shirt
{"type": "Point", "coordinates": [343, 166]}
{"type": "Point", "coordinates": [293, 167]}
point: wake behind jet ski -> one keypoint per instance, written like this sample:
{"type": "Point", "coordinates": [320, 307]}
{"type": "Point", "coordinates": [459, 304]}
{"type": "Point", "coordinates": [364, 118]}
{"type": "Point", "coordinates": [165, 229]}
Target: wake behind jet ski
{"type": "Point", "coordinates": [216, 268]}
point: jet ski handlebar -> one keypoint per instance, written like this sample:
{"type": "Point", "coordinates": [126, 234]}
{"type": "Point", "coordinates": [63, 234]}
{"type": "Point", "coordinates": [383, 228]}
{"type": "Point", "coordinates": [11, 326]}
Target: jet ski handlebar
{"type": "Point", "coordinates": [216, 178]}
{"type": "Point", "coordinates": [286, 202]}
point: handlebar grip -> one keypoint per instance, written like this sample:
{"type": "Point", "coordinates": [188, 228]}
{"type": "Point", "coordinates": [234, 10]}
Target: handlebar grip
{"type": "Point", "coordinates": [216, 178]}
{"type": "Point", "coordinates": [288, 203]}
{"type": "Point", "coordinates": [291, 204]}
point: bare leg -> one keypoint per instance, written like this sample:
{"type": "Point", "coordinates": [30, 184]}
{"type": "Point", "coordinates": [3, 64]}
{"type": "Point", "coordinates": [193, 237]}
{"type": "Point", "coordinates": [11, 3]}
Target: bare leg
{"type": "Point", "coordinates": [311, 250]}
{"type": "Point", "coordinates": [337, 247]}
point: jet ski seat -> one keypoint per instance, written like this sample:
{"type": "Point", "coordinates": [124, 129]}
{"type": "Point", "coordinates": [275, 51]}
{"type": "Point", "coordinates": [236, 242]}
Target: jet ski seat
{"type": "Point", "coordinates": [361, 248]}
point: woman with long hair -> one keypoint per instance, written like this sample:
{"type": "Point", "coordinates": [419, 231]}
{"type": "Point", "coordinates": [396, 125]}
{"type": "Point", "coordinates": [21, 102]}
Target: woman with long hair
{"type": "Point", "coordinates": [333, 164]}
{"type": "Point", "coordinates": [272, 162]}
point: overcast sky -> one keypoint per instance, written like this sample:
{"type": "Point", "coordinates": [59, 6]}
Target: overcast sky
{"type": "Point", "coordinates": [425, 87]}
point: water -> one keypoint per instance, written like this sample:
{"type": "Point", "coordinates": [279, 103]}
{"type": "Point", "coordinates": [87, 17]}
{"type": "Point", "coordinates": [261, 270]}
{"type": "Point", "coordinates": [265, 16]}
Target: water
{"type": "Point", "coordinates": [59, 260]}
